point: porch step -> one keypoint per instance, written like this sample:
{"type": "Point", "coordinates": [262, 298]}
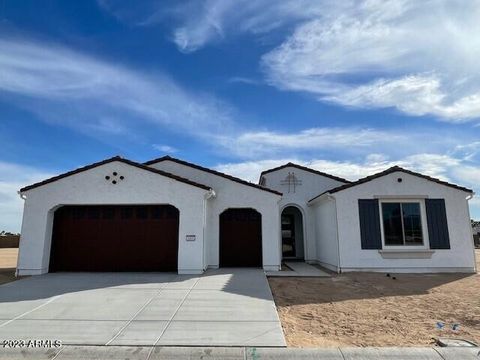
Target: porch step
{"type": "Point", "coordinates": [299, 269]}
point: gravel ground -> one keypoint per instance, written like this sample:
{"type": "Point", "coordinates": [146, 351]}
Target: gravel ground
{"type": "Point", "coordinates": [371, 309]}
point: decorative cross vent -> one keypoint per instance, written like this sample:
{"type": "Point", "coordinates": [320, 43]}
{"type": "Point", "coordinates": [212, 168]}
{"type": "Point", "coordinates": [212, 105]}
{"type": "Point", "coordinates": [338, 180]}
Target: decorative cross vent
{"type": "Point", "coordinates": [114, 178]}
{"type": "Point", "coordinates": [292, 181]}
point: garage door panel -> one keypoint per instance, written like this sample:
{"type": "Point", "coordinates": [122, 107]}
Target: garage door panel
{"type": "Point", "coordinates": [240, 238]}
{"type": "Point", "coordinates": [115, 238]}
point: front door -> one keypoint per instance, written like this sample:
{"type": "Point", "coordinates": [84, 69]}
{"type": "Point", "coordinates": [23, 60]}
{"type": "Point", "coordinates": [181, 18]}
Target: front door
{"type": "Point", "coordinates": [288, 235]}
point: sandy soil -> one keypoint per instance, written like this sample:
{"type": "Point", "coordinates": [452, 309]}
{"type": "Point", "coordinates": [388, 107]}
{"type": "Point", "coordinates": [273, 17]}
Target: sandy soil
{"type": "Point", "coordinates": [8, 258]}
{"type": "Point", "coordinates": [369, 309]}
{"type": "Point", "coordinates": [8, 263]}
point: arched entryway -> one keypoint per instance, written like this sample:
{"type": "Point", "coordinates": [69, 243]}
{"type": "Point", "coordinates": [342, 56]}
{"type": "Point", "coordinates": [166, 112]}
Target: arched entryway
{"type": "Point", "coordinates": [240, 238]}
{"type": "Point", "coordinates": [292, 233]}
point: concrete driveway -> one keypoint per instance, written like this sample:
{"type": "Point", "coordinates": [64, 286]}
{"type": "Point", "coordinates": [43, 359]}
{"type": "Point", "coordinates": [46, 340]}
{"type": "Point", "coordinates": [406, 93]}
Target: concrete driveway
{"type": "Point", "coordinates": [226, 307]}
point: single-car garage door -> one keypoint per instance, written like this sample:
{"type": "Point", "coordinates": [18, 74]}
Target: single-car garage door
{"type": "Point", "coordinates": [240, 238]}
{"type": "Point", "coordinates": [115, 238]}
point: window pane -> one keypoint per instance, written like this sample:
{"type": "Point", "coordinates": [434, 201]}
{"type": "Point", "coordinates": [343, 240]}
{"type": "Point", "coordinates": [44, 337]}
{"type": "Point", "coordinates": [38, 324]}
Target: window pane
{"type": "Point", "coordinates": [392, 224]}
{"type": "Point", "coordinates": [412, 224]}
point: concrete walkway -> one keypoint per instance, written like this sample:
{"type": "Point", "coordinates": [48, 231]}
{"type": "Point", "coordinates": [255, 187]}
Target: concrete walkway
{"type": "Point", "coordinates": [299, 269]}
{"type": "Point", "coordinates": [224, 307]}
{"type": "Point", "coordinates": [239, 353]}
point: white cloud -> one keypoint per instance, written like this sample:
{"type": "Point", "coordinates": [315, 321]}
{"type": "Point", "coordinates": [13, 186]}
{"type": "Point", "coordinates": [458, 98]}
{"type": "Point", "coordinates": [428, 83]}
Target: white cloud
{"type": "Point", "coordinates": [348, 141]}
{"type": "Point", "coordinates": [203, 22]}
{"type": "Point", "coordinates": [431, 164]}
{"type": "Point", "coordinates": [475, 208]}
{"type": "Point", "coordinates": [165, 148]}
{"type": "Point", "coordinates": [12, 178]}
{"type": "Point", "coordinates": [468, 151]}
{"type": "Point", "coordinates": [261, 143]}
{"type": "Point", "coordinates": [417, 56]}
{"type": "Point", "coordinates": [243, 80]}
{"type": "Point", "coordinates": [78, 90]}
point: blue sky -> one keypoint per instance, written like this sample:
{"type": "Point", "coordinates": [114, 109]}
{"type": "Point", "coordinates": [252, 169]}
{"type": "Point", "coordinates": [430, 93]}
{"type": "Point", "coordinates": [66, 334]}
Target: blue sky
{"type": "Point", "coordinates": [348, 88]}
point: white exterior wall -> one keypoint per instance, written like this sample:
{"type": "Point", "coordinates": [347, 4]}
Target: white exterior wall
{"type": "Point", "coordinates": [312, 185]}
{"type": "Point", "coordinates": [230, 194]}
{"type": "Point", "coordinates": [91, 188]}
{"type": "Point", "coordinates": [326, 232]}
{"type": "Point", "coordinates": [461, 256]}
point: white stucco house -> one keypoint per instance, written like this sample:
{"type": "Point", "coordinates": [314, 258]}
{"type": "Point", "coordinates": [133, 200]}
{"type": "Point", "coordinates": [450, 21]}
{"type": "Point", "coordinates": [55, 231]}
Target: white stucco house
{"type": "Point", "coordinates": [171, 215]}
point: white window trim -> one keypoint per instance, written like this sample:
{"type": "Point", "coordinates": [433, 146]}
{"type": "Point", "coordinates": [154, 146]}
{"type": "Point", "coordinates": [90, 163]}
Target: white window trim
{"type": "Point", "coordinates": [423, 219]}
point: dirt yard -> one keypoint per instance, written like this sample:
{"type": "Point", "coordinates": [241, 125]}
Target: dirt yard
{"type": "Point", "coordinates": [369, 309]}
{"type": "Point", "coordinates": [8, 263]}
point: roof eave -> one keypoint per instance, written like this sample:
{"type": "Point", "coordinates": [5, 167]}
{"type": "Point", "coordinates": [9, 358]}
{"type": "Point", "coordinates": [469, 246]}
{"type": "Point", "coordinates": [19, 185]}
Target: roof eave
{"type": "Point", "coordinates": [307, 169]}
{"type": "Point", "coordinates": [107, 161]}
{"type": "Point", "coordinates": [213, 172]}
{"type": "Point", "coordinates": [391, 171]}
{"type": "Point", "coordinates": [320, 197]}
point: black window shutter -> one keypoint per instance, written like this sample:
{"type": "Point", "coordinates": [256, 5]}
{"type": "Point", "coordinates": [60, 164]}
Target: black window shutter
{"type": "Point", "coordinates": [369, 224]}
{"type": "Point", "coordinates": [437, 224]}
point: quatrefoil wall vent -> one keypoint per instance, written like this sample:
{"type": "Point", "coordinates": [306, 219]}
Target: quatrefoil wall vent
{"type": "Point", "coordinates": [114, 178]}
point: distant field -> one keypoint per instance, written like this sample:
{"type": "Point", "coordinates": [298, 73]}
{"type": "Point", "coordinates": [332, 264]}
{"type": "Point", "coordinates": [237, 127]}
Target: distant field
{"type": "Point", "coordinates": [8, 263]}
{"type": "Point", "coordinates": [8, 258]}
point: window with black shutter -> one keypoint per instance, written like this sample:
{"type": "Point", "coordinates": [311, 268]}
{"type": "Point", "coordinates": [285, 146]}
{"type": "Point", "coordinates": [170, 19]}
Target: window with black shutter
{"type": "Point", "coordinates": [370, 232]}
{"type": "Point", "coordinates": [437, 224]}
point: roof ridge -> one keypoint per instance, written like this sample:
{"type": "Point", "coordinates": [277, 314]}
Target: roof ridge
{"type": "Point", "coordinates": [305, 168]}
{"type": "Point", "coordinates": [109, 160]}
{"type": "Point", "coordinates": [387, 172]}
{"type": "Point", "coordinates": [215, 172]}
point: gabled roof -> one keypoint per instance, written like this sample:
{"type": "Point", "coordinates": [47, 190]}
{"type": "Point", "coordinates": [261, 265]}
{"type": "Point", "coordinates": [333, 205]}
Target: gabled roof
{"type": "Point", "coordinates": [214, 172]}
{"type": "Point", "coordinates": [313, 171]}
{"type": "Point", "coordinates": [119, 159]}
{"type": "Point", "coordinates": [389, 171]}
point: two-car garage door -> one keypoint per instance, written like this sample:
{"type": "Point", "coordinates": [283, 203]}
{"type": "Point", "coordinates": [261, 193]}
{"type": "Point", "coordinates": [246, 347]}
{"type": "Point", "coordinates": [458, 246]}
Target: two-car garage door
{"type": "Point", "coordinates": [115, 238]}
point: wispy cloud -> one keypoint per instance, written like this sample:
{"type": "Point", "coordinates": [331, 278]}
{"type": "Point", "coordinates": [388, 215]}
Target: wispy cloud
{"type": "Point", "coordinates": [198, 23]}
{"type": "Point", "coordinates": [419, 57]}
{"type": "Point", "coordinates": [468, 151]}
{"type": "Point", "coordinates": [97, 97]}
{"type": "Point", "coordinates": [344, 141]}
{"type": "Point", "coordinates": [261, 143]}
{"type": "Point", "coordinates": [377, 54]}
{"type": "Point", "coordinates": [12, 178]}
{"type": "Point", "coordinates": [89, 93]}
{"type": "Point", "coordinates": [165, 148]}
{"type": "Point", "coordinates": [214, 20]}
{"type": "Point", "coordinates": [244, 80]}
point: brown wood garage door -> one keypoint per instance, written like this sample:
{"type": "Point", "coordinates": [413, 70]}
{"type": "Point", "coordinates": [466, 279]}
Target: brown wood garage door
{"type": "Point", "coordinates": [115, 238]}
{"type": "Point", "coordinates": [240, 238]}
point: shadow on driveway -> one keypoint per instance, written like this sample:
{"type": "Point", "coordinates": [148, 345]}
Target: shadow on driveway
{"type": "Point", "coordinates": [235, 281]}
